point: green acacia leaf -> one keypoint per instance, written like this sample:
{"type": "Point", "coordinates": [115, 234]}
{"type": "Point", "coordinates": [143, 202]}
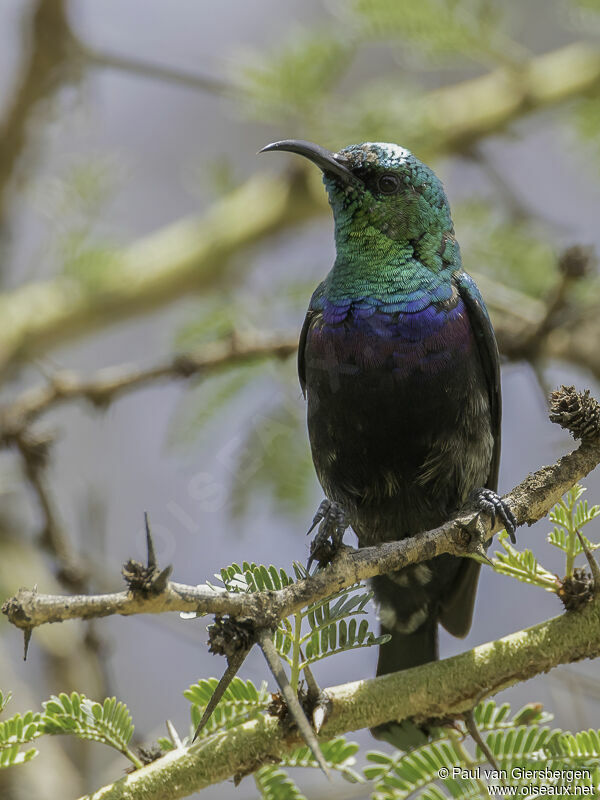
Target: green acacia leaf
{"type": "Point", "coordinates": [15, 733]}
{"type": "Point", "coordinates": [522, 565]}
{"type": "Point", "coordinates": [251, 577]}
{"type": "Point", "coordinates": [4, 700]}
{"type": "Point", "coordinates": [274, 784]}
{"type": "Point", "coordinates": [530, 746]}
{"type": "Point", "coordinates": [338, 754]}
{"type": "Point", "coordinates": [241, 701]}
{"type": "Point", "coordinates": [108, 722]}
{"type": "Point", "coordinates": [291, 81]}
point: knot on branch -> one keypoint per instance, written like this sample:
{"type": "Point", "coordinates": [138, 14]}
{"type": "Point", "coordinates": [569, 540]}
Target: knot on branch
{"type": "Point", "coordinates": [309, 702]}
{"type": "Point", "coordinates": [99, 397]}
{"type": "Point", "coordinates": [150, 753]}
{"type": "Point", "coordinates": [185, 365]}
{"type": "Point", "coordinates": [578, 412]}
{"type": "Point", "coordinates": [14, 609]}
{"type": "Point", "coordinates": [576, 590]}
{"type": "Point", "coordinates": [145, 580]}
{"type": "Point", "coordinates": [35, 448]}
{"type": "Point", "coordinates": [228, 636]}
{"type": "Point", "coordinates": [577, 261]}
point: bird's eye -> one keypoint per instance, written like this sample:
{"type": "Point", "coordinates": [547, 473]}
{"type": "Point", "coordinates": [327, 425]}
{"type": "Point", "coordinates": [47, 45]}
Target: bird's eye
{"type": "Point", "coordinates": [388, 184]}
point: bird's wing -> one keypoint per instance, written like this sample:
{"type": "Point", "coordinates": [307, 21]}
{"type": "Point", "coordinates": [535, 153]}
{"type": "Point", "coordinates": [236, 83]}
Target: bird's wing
{"type": "Point", "coordinates": [490, 361]}
{"type": "Point", "coordinates": [301, 349]}
{"type": "Point", "coordinates": [457, 609]}
{"type": "Point", "coordinates": [310, 315]}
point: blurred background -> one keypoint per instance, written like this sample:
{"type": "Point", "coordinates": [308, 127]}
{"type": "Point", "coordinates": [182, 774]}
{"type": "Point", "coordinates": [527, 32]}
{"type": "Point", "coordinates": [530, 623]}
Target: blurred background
{"type": "Point", "coordinates": [136, 221]}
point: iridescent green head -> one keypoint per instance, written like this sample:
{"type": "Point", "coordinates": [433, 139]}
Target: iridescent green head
{"type": "Point", "coordinates": [378, 186]}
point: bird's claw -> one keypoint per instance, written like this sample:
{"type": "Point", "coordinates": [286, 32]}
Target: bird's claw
{"type": "Point", "coordinates": [491, 503]}
{"type": "Point", "coordinates": [332, 523]}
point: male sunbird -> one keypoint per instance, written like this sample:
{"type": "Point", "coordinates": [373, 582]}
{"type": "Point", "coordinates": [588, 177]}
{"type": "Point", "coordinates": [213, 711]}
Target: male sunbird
{"type": "Point", "coordinates": [399, 365]}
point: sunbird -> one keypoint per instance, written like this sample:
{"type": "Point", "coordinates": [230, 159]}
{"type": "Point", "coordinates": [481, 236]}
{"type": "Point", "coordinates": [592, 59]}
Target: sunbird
{"type": "Point", "coordinates": [400, 369]}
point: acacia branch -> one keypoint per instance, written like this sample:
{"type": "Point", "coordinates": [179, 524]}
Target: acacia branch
{"type": "Point", "coordinates": [191, 254]}
{"type": "Point", "coordinates": [438, 689]}
{"type": "Point", "coordinates": [529, 501]}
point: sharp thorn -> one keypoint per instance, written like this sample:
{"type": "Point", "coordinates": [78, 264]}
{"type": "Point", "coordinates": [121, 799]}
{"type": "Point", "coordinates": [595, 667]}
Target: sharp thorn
{"type": "Point", "coordinates": [26, 640]}
{"type": "Point", "coordinates": [594, 568]}
{"type": "Point", "coordinates": [479, 550]}
{"type": "Point", "coordinates": [233, 665]}
{"type": "Point", "coordinates": [296, 711]}
{"type": "Point", "coordinates": [319, 716]}
{"type": "Point", "coordinates": [314, 690]}
{"type": "Point", "coordinates": [149, 543]}
{"type": "Point", "coordinates": [159, 584]}
{"type": "Point", "coordinates": [476, 736]}
{"type": "Point", "coordinates": [173, 735]}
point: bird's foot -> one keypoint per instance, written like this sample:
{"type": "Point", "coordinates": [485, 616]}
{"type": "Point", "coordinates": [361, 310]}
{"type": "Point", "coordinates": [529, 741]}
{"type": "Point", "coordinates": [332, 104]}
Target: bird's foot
{"type": "Point", "coordinates": [332, 523]}
{"type": "Point", "coordinates": [489, 502]}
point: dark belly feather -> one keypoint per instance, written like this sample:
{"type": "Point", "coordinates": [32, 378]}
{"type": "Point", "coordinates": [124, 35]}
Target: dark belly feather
{"type": "Point", "coordinates": [399, 426]}
{"type": "Point", "coordinates": [401, 432]}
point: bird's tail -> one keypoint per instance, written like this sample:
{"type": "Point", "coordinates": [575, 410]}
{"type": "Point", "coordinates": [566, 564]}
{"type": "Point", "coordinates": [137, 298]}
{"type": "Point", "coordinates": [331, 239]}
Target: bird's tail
{"type": "Point", "coordinates": [408, 611]}
{"type": "Point", "coordinates": [406, 650]}
{"type": "Point", "coordinates": [410, 608]}
{"type": "Point", "coordinates": [414, 632]}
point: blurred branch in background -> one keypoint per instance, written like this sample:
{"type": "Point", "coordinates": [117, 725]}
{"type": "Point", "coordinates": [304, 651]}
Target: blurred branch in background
{"type": "Point", "coordinates": [101, 389]}
{"type": "Point", "coordinates": [153, 71]}
{"type": "Point", "coordinates": [191, 255]}
{"type": "Point", "coordinates": [49, 62]}
{"type": "Point", "coordinates": [33, 448]}
{"type": "Point", "coordinates": [523, 326]}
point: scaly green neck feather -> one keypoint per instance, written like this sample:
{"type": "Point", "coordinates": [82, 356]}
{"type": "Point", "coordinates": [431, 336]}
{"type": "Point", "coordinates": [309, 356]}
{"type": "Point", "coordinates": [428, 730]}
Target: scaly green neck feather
{"type": "Point", "coordinates": [371, 265]}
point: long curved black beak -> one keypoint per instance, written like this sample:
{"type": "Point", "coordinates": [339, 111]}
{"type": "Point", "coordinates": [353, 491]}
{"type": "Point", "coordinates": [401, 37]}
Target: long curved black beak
{"type": "Point", "coordinates": [324, 159]}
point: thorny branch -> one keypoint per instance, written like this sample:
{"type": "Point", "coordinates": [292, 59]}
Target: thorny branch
{"type": "Point", "coordinates": [260, 613]}
{"type": "Point", "coordinates": [525, 338]}
{"type": "Point", "coordinates": [529, 501]}
{"type": "Point", "coordinates": [444, 688]}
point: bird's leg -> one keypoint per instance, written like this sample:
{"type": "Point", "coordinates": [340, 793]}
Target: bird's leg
{"type": "Point", "coordinates": [489, 502]}
{"type": "Point", "coordinates": [331, 519]}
